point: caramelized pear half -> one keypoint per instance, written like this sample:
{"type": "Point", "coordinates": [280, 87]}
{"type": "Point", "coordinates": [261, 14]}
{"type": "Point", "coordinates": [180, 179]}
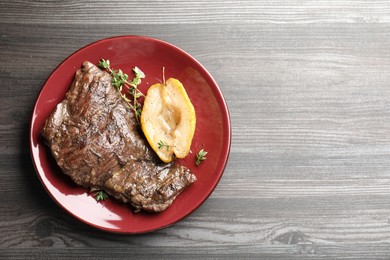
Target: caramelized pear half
{"type": "Point", "coordinates": [168, 120]}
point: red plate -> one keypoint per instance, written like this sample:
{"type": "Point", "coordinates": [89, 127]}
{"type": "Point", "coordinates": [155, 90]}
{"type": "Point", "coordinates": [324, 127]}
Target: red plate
{"type": "Point", "coordinates": [213, 131]}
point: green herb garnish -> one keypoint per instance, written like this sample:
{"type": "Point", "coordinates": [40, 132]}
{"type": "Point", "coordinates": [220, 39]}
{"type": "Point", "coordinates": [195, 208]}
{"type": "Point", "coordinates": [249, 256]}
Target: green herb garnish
{"type": "Point", "coordinates": [200, 156]}
{"type": "Point", "coordinates": [120, 80]}
{"type": "Point", "coordinates": [100, 195]}
{"type": "Point", "coordinates": [161, 145]}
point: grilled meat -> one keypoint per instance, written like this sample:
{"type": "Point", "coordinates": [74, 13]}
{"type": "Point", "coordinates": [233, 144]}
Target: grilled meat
{"type": "Point", "coordinates": [94, 138]}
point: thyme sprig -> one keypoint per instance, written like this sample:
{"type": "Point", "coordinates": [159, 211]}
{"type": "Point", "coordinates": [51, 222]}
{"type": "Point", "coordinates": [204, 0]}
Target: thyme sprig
{"type": "Point", "coordinates": [162, 145]}
{"type": "Point", "coordinates": [200, 156]}
{"type": "Point", "coordinates": [100, 195]}
{"type": "Point", "coordinates": [121, 79]}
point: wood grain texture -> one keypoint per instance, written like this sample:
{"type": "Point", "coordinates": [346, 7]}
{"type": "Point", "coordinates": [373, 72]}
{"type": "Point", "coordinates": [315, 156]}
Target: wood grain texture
{"type": "Point", "coordinates": [201, 11]}
{"type": "Point", "coordinates": [307, 85]}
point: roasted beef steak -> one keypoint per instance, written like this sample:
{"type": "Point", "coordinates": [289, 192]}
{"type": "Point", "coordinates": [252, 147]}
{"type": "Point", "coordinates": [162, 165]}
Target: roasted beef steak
{"type": "Point", "coordinates": [94, 137]}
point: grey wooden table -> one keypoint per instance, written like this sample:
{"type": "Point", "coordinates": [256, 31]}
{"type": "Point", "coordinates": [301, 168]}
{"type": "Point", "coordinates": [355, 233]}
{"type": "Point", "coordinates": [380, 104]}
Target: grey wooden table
{"type": "Point", "coordinates": [308, 88]}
